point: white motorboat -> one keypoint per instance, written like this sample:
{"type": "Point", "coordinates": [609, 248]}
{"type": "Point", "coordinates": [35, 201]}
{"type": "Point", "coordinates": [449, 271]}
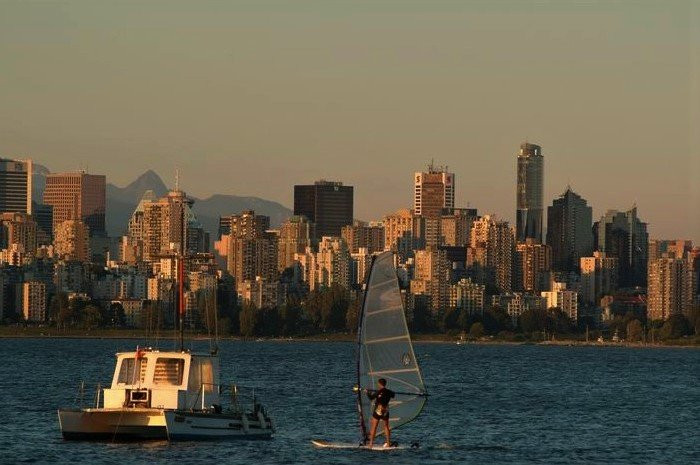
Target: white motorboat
{"type": "Point", "coordinates": [165, 395]}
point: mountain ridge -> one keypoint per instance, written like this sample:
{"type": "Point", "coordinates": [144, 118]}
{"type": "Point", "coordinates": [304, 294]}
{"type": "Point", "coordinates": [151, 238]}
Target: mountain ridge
{"type": "Point", "coordinates": [121, 202]}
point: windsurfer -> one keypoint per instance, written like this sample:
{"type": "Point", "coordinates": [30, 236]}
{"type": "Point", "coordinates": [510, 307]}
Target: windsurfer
{"type": "Point", "coordinates": [381, 398]}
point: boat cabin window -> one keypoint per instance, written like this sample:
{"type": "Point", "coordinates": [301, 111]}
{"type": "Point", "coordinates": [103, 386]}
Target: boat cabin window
{"type": "Point", "coordinates": [132, 371]}
{"type": "Point", "coordinates": [201, 375]}
{"type": "Point", "coordinates": [168, 371]}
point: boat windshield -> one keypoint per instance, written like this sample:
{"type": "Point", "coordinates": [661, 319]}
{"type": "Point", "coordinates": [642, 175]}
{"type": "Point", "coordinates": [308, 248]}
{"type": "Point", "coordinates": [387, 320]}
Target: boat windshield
{"type": "Point", "coordinates": [168, 371]}
{"type": "Point", "coordinates": [132, 371]}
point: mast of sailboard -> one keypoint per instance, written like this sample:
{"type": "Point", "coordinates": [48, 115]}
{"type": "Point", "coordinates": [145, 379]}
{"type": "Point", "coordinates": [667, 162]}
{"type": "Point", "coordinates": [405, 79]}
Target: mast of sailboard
{"type": "Point", "coordinates": [363, 427]}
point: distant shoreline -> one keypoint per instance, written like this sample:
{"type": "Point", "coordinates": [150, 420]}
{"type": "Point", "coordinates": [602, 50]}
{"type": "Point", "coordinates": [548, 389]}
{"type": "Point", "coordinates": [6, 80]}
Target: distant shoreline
{"type": "Point", "coordinates": [35, 333]}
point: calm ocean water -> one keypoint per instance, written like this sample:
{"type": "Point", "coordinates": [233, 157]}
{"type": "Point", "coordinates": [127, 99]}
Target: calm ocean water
{"type": "Point", "coordinates": [488, 404]}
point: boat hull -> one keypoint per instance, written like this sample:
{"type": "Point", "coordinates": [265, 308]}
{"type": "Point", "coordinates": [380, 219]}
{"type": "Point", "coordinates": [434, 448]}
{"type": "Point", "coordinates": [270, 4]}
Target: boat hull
{"type": "Point", "coordinates": [125, 424]}
{"type": "Point", "coordinates": [188, 426]}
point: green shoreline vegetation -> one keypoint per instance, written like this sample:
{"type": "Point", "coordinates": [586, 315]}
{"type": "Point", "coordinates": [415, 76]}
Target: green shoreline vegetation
{"type": "Point", "coordinates": [331, 315]}
{"type": "Point", "coordinates": [35, 332]}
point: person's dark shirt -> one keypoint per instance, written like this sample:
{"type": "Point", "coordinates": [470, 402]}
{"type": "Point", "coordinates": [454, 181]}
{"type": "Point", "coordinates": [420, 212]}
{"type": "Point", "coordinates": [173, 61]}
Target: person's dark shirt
{"type": "Point", "coordinates": [381, 397]}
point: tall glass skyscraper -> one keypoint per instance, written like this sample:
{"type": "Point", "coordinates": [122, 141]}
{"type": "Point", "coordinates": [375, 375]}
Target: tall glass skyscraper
{"type": "Point", "coordinates": [569, 233]}
{"type": "Point", "coordinates": [328, 204]}
{"type": "Point", "coordinates": [15, 186]}
{"type": "Point", "coordinates": [530, 193]}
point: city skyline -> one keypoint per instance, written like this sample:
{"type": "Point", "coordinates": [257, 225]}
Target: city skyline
{"type": "Point", "coordinates": [508, 213]}
{"type": "Point", "coordinates": [610, 91]}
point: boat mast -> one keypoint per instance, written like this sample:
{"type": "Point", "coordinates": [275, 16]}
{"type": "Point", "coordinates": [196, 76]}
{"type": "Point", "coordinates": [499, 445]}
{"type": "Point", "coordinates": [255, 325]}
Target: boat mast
{"type": "Point", "coordinates": [181, 275]}
{"type": "Point", "coordinates": [363, 428]}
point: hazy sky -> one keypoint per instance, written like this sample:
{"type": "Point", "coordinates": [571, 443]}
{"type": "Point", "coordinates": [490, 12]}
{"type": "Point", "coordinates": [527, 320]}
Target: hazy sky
{"type": "Point", "coordinates": [249, 98]}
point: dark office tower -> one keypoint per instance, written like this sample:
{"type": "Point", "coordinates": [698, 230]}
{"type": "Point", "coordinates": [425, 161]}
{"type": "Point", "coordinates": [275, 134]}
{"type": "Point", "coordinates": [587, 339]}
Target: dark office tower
{"type": "Point", "coordinates": [623, 236]}
{"type": "Point", "coordinates": [530, 189]}
{"type": "Point", "coordinates": [326, 203]}
{"type": "Point", "coordinates": [15, 186]}
{"type": "Point", "coordinates": [43, 215]}
{"type": "Point", "coordinates": [569, 221]}
{"type": "Point", "coordinates": [224, 226]}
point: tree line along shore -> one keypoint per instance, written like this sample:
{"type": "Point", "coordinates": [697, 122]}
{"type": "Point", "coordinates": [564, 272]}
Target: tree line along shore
{"type": "Point", "coordinates": [331, 314]}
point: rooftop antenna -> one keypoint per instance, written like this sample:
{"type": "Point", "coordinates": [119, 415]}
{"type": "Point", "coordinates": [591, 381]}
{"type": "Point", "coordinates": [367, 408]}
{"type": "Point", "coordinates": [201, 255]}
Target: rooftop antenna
{"type": "Point", "coordinates": [177, 179]}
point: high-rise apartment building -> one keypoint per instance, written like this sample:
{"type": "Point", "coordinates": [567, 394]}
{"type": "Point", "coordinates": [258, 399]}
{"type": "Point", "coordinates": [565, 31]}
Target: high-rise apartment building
{"type": "Point", "coordinates": [670, 287]}
{"type": "Point", "coordinates": [399, 235]}
{"type": "Point", "coordinates": [433, 194]}
{"type": "Point", "coordinates": [455, 225]}
{"type": "Point", "coordinates": [624, 236]}
{"type": "Point", "coordinates": [694, 261]}
{"type": "Point", "coordinates": [530, 193]}
{"type": "Point", "coordinates": [671, 249]}
{"type": "Point", "coordinates": [72, 241]}
{"type": "Point", "coordinates": [332, 264]}
{"type": "Point", "coordinates": [569, 222]}
{"type": "Point", "coordinates": [252, 248]}
{"type": "Point", "coordinates": [599, 277]}
{"type": "Point", "coordinates": [467, 296]}
{"type": "Point", "coordinates": [328, 204]}
{"type": "Point", "coordinates": [296, 234]}
{"type": "Point", "coordinates": [563, 299]}
{"type": "Point", "coordinates": [15, 186]}
{"type": "Point", "coordinates": [490, 252]}
{"type": "Point", "coordinates": [18, 228]}
{"type": "Point", "coordinates": [432, 277]}
{"type": "Point", "coordinates": [532, 266]}
{"type": "Point", "coordinates": [164, 224]}
{"type": "Point", "coordinates": [33, 300]}
{"type": "Point", "coordinates": [77, 196]}
{"type": "Point", "coordinates": [362, 235]}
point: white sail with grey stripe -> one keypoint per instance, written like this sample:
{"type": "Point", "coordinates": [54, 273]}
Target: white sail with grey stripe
{"type": "Point", "coordinates": [385, 349]}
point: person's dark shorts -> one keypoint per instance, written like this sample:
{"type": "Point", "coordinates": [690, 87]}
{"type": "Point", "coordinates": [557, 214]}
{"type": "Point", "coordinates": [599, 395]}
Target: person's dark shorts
{"type": "Point", "coordinates": [377, 416]}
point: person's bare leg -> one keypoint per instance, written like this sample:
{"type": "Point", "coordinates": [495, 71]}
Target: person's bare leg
{"type": "Point", "coordinates": [373, 431]}
{"type": "Point", "coordinates": [387, 432]}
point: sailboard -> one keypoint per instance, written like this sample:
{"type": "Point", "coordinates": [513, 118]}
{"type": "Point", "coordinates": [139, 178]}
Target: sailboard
{"type": "Point", "coordinates": [349, 445]}
{"type": "Point", "coordinates": [384, 350]}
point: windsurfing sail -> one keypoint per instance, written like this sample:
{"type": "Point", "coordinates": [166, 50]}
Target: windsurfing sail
{"type": "Point", "coordinates": [385, 349]}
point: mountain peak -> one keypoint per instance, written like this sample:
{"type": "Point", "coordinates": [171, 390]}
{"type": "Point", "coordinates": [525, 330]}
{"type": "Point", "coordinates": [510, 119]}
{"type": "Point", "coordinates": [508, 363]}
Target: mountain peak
{"type": "Point", "coordinates": [149, 180]}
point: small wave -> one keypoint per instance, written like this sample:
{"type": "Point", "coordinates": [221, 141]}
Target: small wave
{"type": "Point", "coordinates": [485, 447]}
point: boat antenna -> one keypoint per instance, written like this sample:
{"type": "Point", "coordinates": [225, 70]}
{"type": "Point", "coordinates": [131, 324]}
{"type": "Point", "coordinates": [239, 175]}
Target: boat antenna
{"type": "Point", "coordinates": [181, 278]}
{"type": "Point", "coordinates": [215, 312]}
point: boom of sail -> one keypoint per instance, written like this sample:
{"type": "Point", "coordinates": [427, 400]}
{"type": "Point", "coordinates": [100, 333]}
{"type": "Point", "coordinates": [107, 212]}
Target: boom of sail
{"type": "Point", "coordinates": [385, 349]}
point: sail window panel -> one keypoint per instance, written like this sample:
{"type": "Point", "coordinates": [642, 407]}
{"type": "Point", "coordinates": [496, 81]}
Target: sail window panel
{"type": "Point", "coordinates": [384, 296]}
{"type": "Point", "coordinates": [388, 325]}
{"type": "Point", "coordinates": [168, 371]}
{"type": "Point", "coordinates": [390, 356]}
{"type": "Point", "coordinates": [132, 371]}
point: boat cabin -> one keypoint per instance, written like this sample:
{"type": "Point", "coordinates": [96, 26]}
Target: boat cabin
{"type": "Point", "coordinates": [167, 380]}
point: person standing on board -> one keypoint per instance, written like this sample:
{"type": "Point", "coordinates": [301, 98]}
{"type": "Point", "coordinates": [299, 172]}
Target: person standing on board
{"type": "Point", "coordinates": [381, 398]}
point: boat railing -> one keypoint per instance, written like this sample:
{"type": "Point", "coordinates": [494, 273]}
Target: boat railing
{"type": "Point", "coordinates": [80, 395]}
{"type": "Point", "coordinates": [238, 397]}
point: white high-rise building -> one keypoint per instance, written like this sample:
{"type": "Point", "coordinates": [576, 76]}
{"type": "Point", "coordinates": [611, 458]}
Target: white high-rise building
{"type": "Point", "coordinates": [598, 277]}
{"type": "Point", "coordinates": [563, 299]}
